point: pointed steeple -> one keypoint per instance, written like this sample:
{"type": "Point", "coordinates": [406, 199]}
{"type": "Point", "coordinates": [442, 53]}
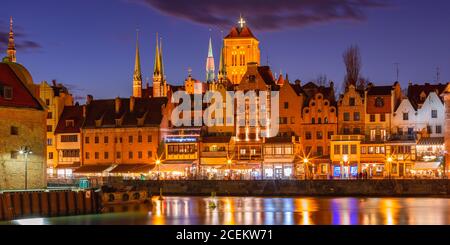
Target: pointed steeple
{"type": "Point", "coordinates": [210, 75]}
{"type": "Point", "coordinates": [159, 81]}
{"type": "Point", "coordinates": [222, 66]}
{"type": "Point", "coordinates": [157, 70]}
{"type": "Point", "coordinates": [11, 52]}
{"type": "Point", "coordinates": [137, 75]}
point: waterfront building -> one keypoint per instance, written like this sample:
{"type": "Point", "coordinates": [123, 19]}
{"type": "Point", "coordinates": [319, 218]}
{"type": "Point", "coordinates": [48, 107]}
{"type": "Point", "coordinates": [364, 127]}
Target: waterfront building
{"type": "Point", "coordinates": [291, 103]}
{"type": "Point", "coordinates": [216, 159]}
{"type": "Point", "coordinates": [279, 157]}
{"type": "Point", "coordinates": [68, 141]}
{"type": "Point", "coordinates": [240, 48]}
{"type": "Point", "coordinates": [22, 129]}
{"type": "Point", "coordinates": [55, 96]}
{"type": "Point", "coordinates": [319, 124]}
{"type": "Point", "coordinates": [122, 135]}
{"type": "Point", "coordinates": [181, 156]}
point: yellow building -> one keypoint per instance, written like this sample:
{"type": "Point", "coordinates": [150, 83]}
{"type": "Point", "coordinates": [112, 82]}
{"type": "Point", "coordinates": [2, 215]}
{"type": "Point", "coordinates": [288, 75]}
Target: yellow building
{"type": "Point", "coordinates": [55, 97]}
{"type": "Point", "coordinates": [122, 135]}
{"type": "Point", "coordinates": [240, 48]}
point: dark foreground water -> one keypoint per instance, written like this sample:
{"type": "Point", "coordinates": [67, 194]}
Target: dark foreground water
{"type": "Point", "coordinates": [268, 211]}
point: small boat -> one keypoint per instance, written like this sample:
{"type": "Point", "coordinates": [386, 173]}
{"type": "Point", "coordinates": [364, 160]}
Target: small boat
{"type": "Point", "coordinates": [125, 197]}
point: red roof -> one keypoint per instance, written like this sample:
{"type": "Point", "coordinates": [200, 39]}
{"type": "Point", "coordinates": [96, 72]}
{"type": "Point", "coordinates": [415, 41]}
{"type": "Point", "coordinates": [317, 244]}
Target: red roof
{"type": "Point", "coordinates": [74, 113]}
{"type": "Point", "coordinates": [22, 97]}
{"type": "Point", "coordinates": [245, 32]}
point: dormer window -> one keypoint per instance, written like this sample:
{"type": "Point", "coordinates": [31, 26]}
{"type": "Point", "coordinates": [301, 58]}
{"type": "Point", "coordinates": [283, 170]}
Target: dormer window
{"type": "Point", "coordinates": [70, 123]}
{"type": "Point", "coordinates": [379, 102]}
{"type": "Point", "coordinates": [252, 78]}
{"type": "Point", "coordinates": [7, 92]}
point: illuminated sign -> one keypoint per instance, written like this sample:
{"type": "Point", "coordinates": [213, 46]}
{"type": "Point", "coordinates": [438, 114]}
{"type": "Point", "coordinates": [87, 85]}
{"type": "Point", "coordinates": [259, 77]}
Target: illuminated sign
{"type": "Point", "coordinates": [337, 171]}
{"type": "Point", "coordinates": [181, 140]}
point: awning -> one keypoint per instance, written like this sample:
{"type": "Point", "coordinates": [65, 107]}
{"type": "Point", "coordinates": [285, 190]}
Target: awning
{"type": "Point", "coordinates": [426, 165]}
{"type": "Point", "coordinates": [431, 141]}
{"type": "Point", "coordinates": [91, 169]}
{"type": "Point", "coordinates": [169, 167]}
{"type": "Point", "coordinates": [279, 160]}
{"type": "Point", "coordinates": [240, 167]}
{"type": "Point", "coordinates": [72, 165]}
{"type": "Point", "coordinates": [132, 168]}
{"type": "Point", "coordinates": [214, 161]}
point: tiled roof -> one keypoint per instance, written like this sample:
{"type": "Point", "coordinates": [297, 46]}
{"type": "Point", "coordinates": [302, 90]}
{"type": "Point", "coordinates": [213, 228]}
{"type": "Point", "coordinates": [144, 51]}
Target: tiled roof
{"type": "Point", "coordinates": [379, 90]}
{"type": "Point", "coordinates": [414, 92]}
{"type": "Point", "coordinates": [22, 97]}
{"type": "Point", "coordinates": [267, 75]}
{"type": "Point", "coordinates": [103, 111]}
{"type": "Point", "coordinates": [74, 113]}
{"type": "Point", "coordinates": [243, 33]}
{"type": "Point", "coordinates": [431, 141]}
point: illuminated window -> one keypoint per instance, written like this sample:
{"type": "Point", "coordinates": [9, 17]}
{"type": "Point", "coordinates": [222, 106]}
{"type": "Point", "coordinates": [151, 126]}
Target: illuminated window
{"type": "Point", "coordinates": [337, 149]}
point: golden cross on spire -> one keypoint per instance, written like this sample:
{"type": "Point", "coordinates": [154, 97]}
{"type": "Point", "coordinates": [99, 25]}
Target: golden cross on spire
{"type": "Point", "coordinates": [241, 22]}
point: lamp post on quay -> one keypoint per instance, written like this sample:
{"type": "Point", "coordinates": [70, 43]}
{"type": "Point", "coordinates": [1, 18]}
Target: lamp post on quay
{"type": "Point", "coordinates": [306, 168]}
{"type": "Point", "coordinates": [158, 162]}
{"type": "Point", "coordinates": [26, 150]}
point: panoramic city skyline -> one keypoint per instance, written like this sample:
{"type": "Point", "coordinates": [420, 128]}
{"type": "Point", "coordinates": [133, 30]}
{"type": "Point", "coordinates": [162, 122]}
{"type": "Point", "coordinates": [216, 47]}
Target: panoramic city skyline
{"type": "Point", "coordinates": [94, 52]}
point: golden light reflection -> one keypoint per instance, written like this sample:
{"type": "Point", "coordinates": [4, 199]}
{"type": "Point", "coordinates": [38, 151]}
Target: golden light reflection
{"type": "Point", "coordinates": [389, 209]}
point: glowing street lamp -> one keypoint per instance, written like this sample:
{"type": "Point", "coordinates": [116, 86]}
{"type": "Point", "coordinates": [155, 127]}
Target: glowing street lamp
{"type": "Point", "coordinates": [158, 163]}
{"type": "Point", "coordinates": [305, 162]}
{"type": "Point", "coordinates": [25, 151]}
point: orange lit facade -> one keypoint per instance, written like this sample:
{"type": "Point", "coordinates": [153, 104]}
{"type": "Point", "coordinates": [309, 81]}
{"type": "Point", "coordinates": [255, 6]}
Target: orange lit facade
{"type": "Point", "coordinates": [240, 48]}
{"type": "Point", "coordinates": [122, 132]}
{"type": "Point", "coordinates": [319, 124]}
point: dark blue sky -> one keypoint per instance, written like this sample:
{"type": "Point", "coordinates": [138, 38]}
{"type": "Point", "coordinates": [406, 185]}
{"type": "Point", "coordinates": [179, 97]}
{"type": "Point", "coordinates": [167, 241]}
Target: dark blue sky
{"type": "Point", "coordinates": [90, 44]}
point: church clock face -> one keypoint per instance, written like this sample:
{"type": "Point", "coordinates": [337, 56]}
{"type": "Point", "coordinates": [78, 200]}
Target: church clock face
{"type": "Point", "coordinates": [379, 102]}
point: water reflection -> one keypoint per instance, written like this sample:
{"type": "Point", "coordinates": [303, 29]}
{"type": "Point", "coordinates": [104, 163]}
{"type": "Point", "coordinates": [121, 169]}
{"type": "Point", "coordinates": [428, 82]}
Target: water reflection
{"type": "Point", "coordinates": [269, 211]}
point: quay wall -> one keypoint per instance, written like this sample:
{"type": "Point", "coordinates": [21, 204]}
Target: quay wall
{"type": "Point", "coordinates": [29, 204]}
{"type": "Point", "coordinates": [297, 187]}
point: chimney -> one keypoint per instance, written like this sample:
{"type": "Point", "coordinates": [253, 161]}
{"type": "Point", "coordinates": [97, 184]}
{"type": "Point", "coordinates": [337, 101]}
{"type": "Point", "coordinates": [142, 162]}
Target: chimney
{"type": "Point", "coordinates": [298, 82]}
{"type": "Point", "coordinates": [84, 111]}
{"type": "Point", "coordinates": [54, 82]}
{"type": "Point", "coordinates": [132, 103]}
{"type": "Point", "coordinates": [252, 67]}
{"type": "Point", "coordinates": [117, 104]}
{"type": "Point", "coordinates": [89, 99]}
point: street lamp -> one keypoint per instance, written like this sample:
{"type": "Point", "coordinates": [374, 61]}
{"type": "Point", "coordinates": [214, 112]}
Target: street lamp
{"type": "Point", "coordinates": [305, 163]}
{"type": "Point", "coordinates": [25, 151]}
{"type": "Point", "coordinates": [158, 162]}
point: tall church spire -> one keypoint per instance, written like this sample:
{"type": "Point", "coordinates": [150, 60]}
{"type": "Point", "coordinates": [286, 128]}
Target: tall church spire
{"type": "Point", "coordinates": [11, 52]}
{"type": "Point", "coordinates": [222, 67]}
{"type": "Point", "coordinates": [137, 75]}
{"type": "Point", "coordinates": [157, 70]}
{"type": "Point", "coordinates": [210, 76]}
{"type": "Point", "coordinates": [159, 81]}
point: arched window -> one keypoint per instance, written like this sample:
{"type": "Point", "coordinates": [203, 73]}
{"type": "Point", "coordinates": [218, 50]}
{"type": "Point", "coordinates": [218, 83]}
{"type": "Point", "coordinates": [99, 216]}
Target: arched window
{"type": "Point", "coordinates": [319, 120]}
{"type": "Point", "coordinates": [325, 120]}
{"type": "Point", "coordinates": [313, 120]}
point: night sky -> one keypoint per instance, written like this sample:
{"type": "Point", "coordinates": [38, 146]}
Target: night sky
{"type": "Point", "coordinates": [90, 45]}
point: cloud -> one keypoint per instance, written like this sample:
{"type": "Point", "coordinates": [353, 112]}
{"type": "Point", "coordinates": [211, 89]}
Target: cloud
{"type": "Point", "coordinates": [21, 40]}
{"type": "Point", "coordinates": [266, 14]}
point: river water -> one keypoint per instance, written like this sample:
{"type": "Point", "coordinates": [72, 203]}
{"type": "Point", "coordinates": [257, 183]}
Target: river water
{"type": "Point", "coordinates": [267, 211]}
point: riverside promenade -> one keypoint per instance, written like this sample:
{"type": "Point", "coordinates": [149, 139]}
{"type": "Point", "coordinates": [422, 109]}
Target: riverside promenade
{"type": "Point", "coordinates": [369, 188]}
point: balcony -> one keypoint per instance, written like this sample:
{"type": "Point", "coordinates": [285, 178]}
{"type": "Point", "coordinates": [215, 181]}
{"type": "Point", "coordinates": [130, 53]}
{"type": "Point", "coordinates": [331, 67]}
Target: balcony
{"type": "Point", "coordinates": [347, 137]}
{"type": "Point", "coordinates": [403, 137]}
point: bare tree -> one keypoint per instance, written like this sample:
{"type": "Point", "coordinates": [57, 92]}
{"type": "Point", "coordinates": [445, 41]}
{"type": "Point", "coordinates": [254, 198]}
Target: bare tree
{"type": "Point", "coordinates": [352, 61]}
{"type": "Point", "coordinates": [362, 83]}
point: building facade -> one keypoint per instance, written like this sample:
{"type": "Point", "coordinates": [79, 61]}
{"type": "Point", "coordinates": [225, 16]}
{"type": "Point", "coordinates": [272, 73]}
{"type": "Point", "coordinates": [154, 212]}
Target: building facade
{"type": "Point", "coordinates": [22, 130]}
